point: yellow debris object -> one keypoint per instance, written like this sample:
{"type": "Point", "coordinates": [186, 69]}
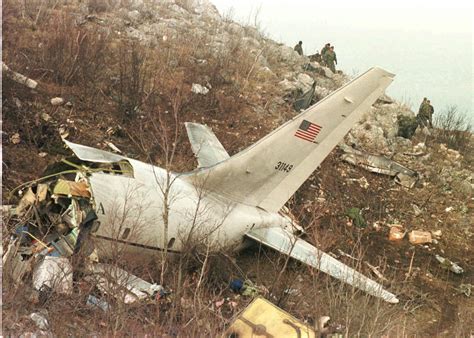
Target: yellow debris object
{"type": "Point", "coordinates": [70, 188]}
{"type": "Point", "coordinates": [264, 319]}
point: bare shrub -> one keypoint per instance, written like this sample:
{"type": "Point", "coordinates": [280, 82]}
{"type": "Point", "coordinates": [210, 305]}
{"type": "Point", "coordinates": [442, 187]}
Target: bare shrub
{"type": "Point", "coordinates": [454, 129]}
{"type": "Point", "coordinates": [73, 54]}
{"type": "Point", "coordinates": [98, 6]}
{"type": "Point", "coordinates": [134, 77]}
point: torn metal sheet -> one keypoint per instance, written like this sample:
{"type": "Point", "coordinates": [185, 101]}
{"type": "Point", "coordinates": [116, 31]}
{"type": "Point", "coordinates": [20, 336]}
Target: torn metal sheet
{"type": "Point", "coordinates": [86, 153]}
{"type": "Point", "coordinates": [448, 265]}
{"type": "Point", "coordinates": [305, 100]}
{"type": "Point", "coordinates": [302, 251]}
{"type": "Point", "coordinates": [26, 201]}
{"type": "Point", "coordinates": [261, 318]}
{"type": "Point", "coordinates": [205, 145]}
{"type": "Point", "coordinates": [380, 165]}
{"type": "Point", "coordinates": [20, 78]}
{"type": "Point", "coordinates": [121, 284]}
{"type": "Point", "coordinates": [54, 273]}
{"type": "Point", "coordinates": [69, 188]}
{"type": "Point", "coordinates": [15, 265]}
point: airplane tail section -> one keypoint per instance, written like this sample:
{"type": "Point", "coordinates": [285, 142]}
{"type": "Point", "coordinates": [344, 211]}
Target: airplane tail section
{"type": "Point", "coordinates": [269, 172]}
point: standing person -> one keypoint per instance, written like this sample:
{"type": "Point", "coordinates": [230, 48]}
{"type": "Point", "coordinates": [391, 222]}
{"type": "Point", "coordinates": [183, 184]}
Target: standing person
{"type": "Point", "coordinates": [423, 116]}
{"type": "Point", "coordinates": [299, 48]}
{"type": "Point", "coordinates": [324, 50]}
{"type": "Point", "coordinates": [330, 58]}
{"type": "Point", "coordinates": [430, 110]}
{"type": "Point", "coordinates": [423, 103]}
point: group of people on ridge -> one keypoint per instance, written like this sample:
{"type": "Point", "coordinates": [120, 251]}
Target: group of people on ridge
{"type": "Point", "coordinates": [326, 58]}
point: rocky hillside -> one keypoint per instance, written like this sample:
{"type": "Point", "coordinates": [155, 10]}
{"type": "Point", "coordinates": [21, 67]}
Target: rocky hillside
{"type": "Point", "coordinates": [130, 73]}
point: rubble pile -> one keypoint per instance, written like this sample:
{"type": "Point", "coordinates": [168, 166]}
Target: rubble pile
{"type": "Point", "coordinates": [49, 248]}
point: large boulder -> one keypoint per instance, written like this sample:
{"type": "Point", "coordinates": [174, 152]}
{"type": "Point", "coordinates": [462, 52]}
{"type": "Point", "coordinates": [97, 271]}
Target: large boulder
{"type": "Point", "coordinates": [304, 82]}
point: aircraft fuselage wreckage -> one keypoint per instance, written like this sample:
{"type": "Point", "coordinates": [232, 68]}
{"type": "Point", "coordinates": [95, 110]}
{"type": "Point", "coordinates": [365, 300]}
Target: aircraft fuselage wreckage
{"type": "Point", "coordinates": [143, 208]}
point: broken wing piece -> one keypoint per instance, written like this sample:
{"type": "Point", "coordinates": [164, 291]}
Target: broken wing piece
{"type": "Point", "coordinates": [206, 147]}
{"type": "Point", "coordinates": [287, 243]}
{"type": "Point", "coordinates": [90, 154]}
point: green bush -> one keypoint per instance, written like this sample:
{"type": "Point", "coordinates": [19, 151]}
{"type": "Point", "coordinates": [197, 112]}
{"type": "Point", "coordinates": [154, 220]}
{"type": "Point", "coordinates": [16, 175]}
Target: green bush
{"type": "Point", "coordinates": [407, 126]}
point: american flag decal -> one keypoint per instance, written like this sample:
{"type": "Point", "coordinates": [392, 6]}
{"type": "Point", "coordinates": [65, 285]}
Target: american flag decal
{"type": "Point", "coordinates": [308, 131]}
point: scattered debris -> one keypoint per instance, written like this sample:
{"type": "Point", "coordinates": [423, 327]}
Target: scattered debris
{"type": "Point", "coordinates": [437, 233]}
{"type": "Point", "coordinates": [466, 289]}
{"type": "Point", "coordinates": [376, 271]}
{"type": "Point", "coordinates": [40, 320]}
{"type": "Point", "coordinates": [362, 182]}
{"type": "Point", "coordinates": [17, 77]}
{"type": "Point", "coordinates": [15, 138]}
{"type": "Point", "coordinates": [305, 100]}
{"type": "Point", "coordinates": [262, 318]}
{"type": "Point", "coordinates": [396, 233]}
{"type": "Point", "coordinates": [449, 209]}
{"type": "Point", "coordinates": [236, 285]}
{"type": "Point", "coordinates": [113, 147]}
{"type": "Point", "coordinates": [419, 237]}
{"type": "Point", "coordinates": [46, 117]}
{"type": "Point", "coordinates": [63, 132]}
{"type": "Point", "coordinates": [342, 253]}
{"type": "Point", "coordinates": [55, 273]}
{"type": "Point", "coordinates": [416, 210]}
{"type": "Point", "coordinates": [57, 101]}
{"type": "Point", "coordinates": [291, 292]}
{"type": "Point", "coordinates": [123, 285]}
{"type": "Point", "coordinates": [381, 165]}
{"type": "Point", "coordinates": [16, 262]}
{"type": "Point", "coordinates": [42, 154]}
{"type": "Point", "coordinates": [198, 89]}
{"type": "Point", "coordinates": [99, 303]}
{"type": "Point", "coordinates": [448, 265]}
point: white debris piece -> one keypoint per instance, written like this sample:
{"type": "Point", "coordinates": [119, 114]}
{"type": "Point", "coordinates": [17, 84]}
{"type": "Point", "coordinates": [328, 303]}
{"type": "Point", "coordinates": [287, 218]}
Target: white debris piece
{"type": "Point", "coordinates": [17, 77]}
{"type": "Point", "coordinates": [40, 320]}
{"type": "Point", "coordinates": [15, 138]}
{"type": "Point", "coordinates": [55, 273]}
{"type": "Point", "coordinates": [121, 284]}
{"type": "Point", "coordinates": [447, 264]}
{"type": "Point", "coordinates": [113, 147]}
{"type": "Point", "coordinates": [198, 89]}
{"type": "Point", "coordinates": [57, 101]}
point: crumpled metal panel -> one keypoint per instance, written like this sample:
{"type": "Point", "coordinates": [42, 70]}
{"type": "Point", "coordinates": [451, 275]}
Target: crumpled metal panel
{"type": "Point", "coordinates": [90, 154]}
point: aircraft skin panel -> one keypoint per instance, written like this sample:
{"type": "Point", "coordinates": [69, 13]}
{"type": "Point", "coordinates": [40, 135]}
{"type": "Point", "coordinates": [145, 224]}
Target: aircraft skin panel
{"type": "Point", "coordinates": [269, 172]}
{"type": "Point", "coordinates": [90, 154]}
{"type": "Point", "coordinates": [206, 147]}
{"type": "Point", "coordinates": [283, 241]}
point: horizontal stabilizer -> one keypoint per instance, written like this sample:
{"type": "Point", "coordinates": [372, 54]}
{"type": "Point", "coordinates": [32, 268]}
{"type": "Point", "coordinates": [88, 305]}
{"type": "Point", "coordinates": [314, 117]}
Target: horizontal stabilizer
{"type": "Point", "coordinates": [287, 243]}
{"type": "Point", "coordinates": [206, 147]}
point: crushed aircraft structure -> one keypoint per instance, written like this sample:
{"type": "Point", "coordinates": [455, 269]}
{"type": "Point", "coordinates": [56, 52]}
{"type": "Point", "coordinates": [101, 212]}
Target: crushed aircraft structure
{"type": "Point", "coordinates": [380, 165]}
{"type": "Point", "coordinates": [97, 203]}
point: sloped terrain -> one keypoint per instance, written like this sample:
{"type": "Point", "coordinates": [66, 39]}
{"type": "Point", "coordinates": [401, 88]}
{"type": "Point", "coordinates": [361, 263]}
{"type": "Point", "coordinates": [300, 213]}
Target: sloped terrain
{"type": "Point", "coordinates": [126, 73]}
